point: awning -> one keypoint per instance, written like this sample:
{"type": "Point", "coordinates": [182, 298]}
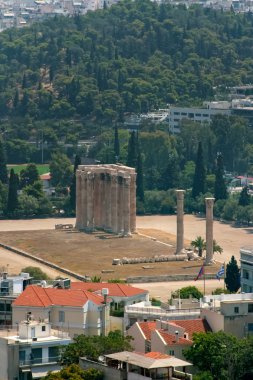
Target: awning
{"type": "Point", "coordinates": [41, 371]}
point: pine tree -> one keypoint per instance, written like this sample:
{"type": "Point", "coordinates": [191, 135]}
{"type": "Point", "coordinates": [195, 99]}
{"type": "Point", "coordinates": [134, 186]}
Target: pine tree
{"type": "Point", "coordinates": [73, 184]}
{"type": "Point", "coordinates": [220, 190]}
{"type": "Point", "coordinates": [170, 176]}
{"type": "Point", "coordinates": [116, 144]}
{"type": "Point", "coordinates": [3, 167]}
{"type": "Point", "coordinates": [232, 279]}
{"type": "Point", "coordinates": [139, 178]}
{"type": "Point", "coordinates": [244, 199]}
{"type": "Point", "coordinates": [132, 153]}
{"type": "Point", "coordinates": [199, 179]}
{"type": "Point", "coordinates": [12, 202]}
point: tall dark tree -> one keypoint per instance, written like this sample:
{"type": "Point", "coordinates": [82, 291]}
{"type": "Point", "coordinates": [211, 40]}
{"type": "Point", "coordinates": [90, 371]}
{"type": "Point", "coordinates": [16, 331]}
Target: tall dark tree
{"type": "Point", "coordinates": [73, 184]}
{"type": "Point", "coordinates": [139, 178]}
{"type": "Point", "coordinates": [220, 190]}
{"type": "Point", "coordinates": [132, 154]}
{"type": "Point", "coordinates": [199, 180]}
{"type": "Point", "coordinates": [116, 143]}
{"type": "Point", "coordinates": [12, 202]}
{"type": "Point", "coordinates": [3, 167]}
{"type": "Point", "coordinates": [232, 279]}
{"type": "Point", "coordinates": [244, 199]}
{"type": "Point", "coordinates": [29, 175]}
{"type": "Point", "coordinates": [170, 176]}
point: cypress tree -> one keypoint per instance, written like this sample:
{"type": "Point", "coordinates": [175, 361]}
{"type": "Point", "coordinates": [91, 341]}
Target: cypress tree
{"type": "Point", "coordinates": [12, 202]}
{"type": "Point", "coordinates": [139, 177]}
{"type": "Point", "coordinates": [170, 176]}
{"type": "Point", "coordinates": [132, 153]}
{"type": "Point", "coordinates": [199, 179]}
{"type": "Point", "coordinates": [116, 144]}
{"type": "Point", "coordinates": [232, 279]}
{"type": "Point", "coordinates": [244, 199]}
{"type": "Point", "coordinates": [220, 190]}
{"type": "Point", "coordinates": [73, 184]}
{"type": "Point", "coordinates": [3, 167]}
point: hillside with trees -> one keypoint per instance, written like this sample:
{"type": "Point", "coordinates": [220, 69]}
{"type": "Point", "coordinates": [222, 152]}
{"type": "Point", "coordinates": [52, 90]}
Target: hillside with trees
{"type": "Point", "coordinates": [71, 78]}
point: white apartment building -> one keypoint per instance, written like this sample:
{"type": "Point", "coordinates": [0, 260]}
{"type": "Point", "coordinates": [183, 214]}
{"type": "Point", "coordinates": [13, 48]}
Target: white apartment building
{"type": "Point", "coordinates": [246, 269]}
{"type": "Point", "coordinates": [31, 350]}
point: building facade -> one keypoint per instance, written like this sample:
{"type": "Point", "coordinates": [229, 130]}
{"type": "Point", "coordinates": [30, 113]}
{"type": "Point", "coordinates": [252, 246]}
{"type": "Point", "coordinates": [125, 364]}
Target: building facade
{"type": "Point", "coordinates": [246, 269]}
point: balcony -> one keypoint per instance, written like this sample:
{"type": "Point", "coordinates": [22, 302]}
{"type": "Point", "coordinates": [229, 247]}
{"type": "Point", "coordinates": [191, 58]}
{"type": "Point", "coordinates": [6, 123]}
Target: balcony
{"type": "Point", "coordinates": [38, 361]}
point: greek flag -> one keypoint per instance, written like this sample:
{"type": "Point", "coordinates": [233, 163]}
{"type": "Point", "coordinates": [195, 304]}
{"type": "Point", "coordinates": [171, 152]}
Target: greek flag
{"type": "Point", "coordinates": [220, 273]}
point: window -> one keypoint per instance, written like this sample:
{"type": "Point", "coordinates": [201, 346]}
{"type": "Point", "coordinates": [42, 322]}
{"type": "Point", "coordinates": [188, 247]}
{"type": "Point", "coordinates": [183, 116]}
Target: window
{"type": "Point", "coordinates": [245, 274]}
{"type": "Point", "coordinates": [61, 316]}
{"type": "Point", "coordinates": [171, 352]}
{"type": "Point", "coordinates": [43, 328]}
{"type": "Point", "coordinates": [236, 309]}
{"type": "Point", "coordinates": [250, 327]}
{"type": "Point", "coordinates": [250, 307]}
{"type": "Point", "coordinates": [53, 354]}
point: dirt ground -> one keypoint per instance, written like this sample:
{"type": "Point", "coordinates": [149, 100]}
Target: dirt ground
{"type": "Point", "coordinates": [89, 254]}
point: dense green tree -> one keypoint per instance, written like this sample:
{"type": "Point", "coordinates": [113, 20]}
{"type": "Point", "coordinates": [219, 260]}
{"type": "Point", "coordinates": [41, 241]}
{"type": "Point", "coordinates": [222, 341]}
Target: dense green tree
{"type": "Point", "coordinates": [132, 153]}
{"type": "Point", "coordinates": [35, 190]}
{"type": "Point", "coordinates": [220, 190]}
{"type": "Point", "coordinates": [94, 346]}
{"type": "Point", "coordinates": [244, 199]}
{"type": "Point", "coordinates": [116, 143]}
{"type": "Point", "coordinates": [232, 279]}
{"type": "Point", "coordinates": [61, 170]}
{"type": "Point", "coordinates": [72, 195]}
{"type": "Point", "coordinates": [3, 167]}
{"type": "Point", "coordinates": [170, 177]}
{"type": "Point", "coordinates": [28, 176]}
{"type": "Point", "coordinates": [188, 292]}
{"type": "Point", "coordinates": [74, 372]}
{"type": "Point", "coordinates": [199, 180]}
{"type": "Point", "coordinates": [36, 273]}
{"type": "Point", "coordinates": [12, 203]}
{"type": "Point", "coordinates": [139, 177]}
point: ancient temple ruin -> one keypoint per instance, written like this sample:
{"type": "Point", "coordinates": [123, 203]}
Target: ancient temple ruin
{"type": "Point", "coordinates": [106, 198]}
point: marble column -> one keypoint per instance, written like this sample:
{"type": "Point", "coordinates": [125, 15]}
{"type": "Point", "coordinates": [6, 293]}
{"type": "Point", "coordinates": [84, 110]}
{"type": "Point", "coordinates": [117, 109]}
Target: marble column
{"type": "Point", "coordinates": [180, 221]}
{"type": "Point", "coordinates": [120, 205]}
{"type": "Point", "coordinates": [78, 199]}
{"type": "Point", "coordinates": [209, 230]}
{"type": "Point", "coordinates": [102, 201]}
{"type": "Point", "coordinates": [90, 210]}
{"type": "Point", "coordinates": [126, 205]}
{"type": "Point", "coordinates": [114, 200]}
{"type": "Point", "coordinates": [133, 203]}
{"type": "Point", "coordinates": [97, 200]}
{"type": "Point", "coordinates": [83, 199]}
{"type": "Point", "coordinates": [108, 216]}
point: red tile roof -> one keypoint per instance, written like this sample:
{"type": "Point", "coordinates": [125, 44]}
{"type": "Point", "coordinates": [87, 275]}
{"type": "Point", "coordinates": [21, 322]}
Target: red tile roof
{"type": "Point", "coordinates": [193, 325]}
{"type": "Point", "coordinates": [115, 290]}
{"type": "Point", "coordinates": [46, 176]}
{"type": "Point", "coordinates": [36, 296]}
{"type": "Point", "coordinates": [146, 328]}
{"type": "Point", "coordinates": [157, 355]}
{"type": "Point", "coordinates": [170, 339]}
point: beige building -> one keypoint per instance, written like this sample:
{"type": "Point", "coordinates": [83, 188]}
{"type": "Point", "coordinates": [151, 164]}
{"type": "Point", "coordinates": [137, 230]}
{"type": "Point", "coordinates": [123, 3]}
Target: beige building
{"type": "Point", "coordinates": [74, 311]}
{"type": "Point", "coordinates": [30, 350]}
{"type": "Point", "coordinates": [231, 313]}
{"type": "Point", "coordinates": [167, 337]}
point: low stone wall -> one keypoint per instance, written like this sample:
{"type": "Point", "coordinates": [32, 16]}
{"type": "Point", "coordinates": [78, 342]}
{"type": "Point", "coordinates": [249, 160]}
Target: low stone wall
{"type": "Point", "coordinates": [165, 278]}
{"type": "Point", "coordinates": [44, 262]}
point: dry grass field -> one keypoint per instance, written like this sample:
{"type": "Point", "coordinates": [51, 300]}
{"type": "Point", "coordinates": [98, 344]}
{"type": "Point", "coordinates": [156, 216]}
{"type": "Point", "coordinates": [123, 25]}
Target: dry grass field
{"type": "Point", "coordinates": [90, 254]}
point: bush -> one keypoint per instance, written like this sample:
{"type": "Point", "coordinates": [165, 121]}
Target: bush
{"type": "Point", "coordinates": [218, 291]}
{"type": "Point", "coordinates": [189, 291]}
{"type": "Point", "coordinates": [36, 273]}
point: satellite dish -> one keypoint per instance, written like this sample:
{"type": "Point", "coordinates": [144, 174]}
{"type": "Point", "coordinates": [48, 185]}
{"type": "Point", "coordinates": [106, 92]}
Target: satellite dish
{"type": "Point", "coordinates": [101, 358]}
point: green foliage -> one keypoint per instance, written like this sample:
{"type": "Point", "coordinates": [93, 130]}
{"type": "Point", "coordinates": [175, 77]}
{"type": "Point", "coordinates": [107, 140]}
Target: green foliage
{"type": "Point", "coordinates": [218, 291]}
{"type": "Point", "coordinates": [220, 190]}
{"type": "Point", "coordinates": [187, 292]}
{"type": "Point", "coordinates": [72, 194]}
{"type": "Point", "coordinates": [36, 273]}
{"type": "Point", "coordinates": [95, 279]}
{"type": "Point", "coordinates": [232, 279]}
{"type": "Point", "coordinates": [199, 180]}
{"type": "Point", "coordinates": [94, 346]}
{"type": "Point", "coordinates": [199, 244]}
{"type": "Point", "coordinates": [116, 143]}
{"type": "Point", "coordinates": [244, 199]}
{"type": "Point", "coordinates": [221, 355]}
{"type": "Point", "coordinates": [155, 302]}
{"type": "Point", "coordinates": [28, 175]}
{"type": "Point", "coordinates": [3, 167]}
{"type": "Point", "coordinates": [61, 170]}
{"type": "Point", "coordinates": [12, 203]}
{"type": "Point", "coordinates": [74, 372]}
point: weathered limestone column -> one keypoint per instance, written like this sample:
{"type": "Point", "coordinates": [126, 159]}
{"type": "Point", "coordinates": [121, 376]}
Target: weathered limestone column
{"type": "Point", "coordinates": [126, 205]}
{"type": "Point", "coordinates": [90, 213]}
{"type": "Point", "coordinates": [180, 221]}
{"type": "Point", "coordinates": [114, 200]}
{"type": "Point", "coordinates": [120, 200]}
{"type": "Point", "coordinates": [78, 199]}
{"type": "Point", "coordinates": [133, 203]}
{"type": "Point", "coordinates": [84, 199]}
{"type": "Point", "coordinates": [102, 200]}
{"type": "Point", "coordinates": [209, 230]}
{"type": "Point", "coordinates": [108, 216]}
{"type": "Point", "coordinates": [97, 199]}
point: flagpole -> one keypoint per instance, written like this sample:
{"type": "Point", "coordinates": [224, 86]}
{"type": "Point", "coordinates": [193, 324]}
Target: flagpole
{"type": "Point", "coordinates": [204, 277]}
{"type": "Point", "coordinates": [224, 275]}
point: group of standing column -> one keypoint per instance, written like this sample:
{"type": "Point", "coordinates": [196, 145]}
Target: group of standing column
{"type": "Point", "coordinates": [106, 198]}
{"type": "Point", "coordinates": [209, 226]}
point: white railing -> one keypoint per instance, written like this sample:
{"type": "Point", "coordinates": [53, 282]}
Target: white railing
{"type": "Point", "coordinates": [34, 361]}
